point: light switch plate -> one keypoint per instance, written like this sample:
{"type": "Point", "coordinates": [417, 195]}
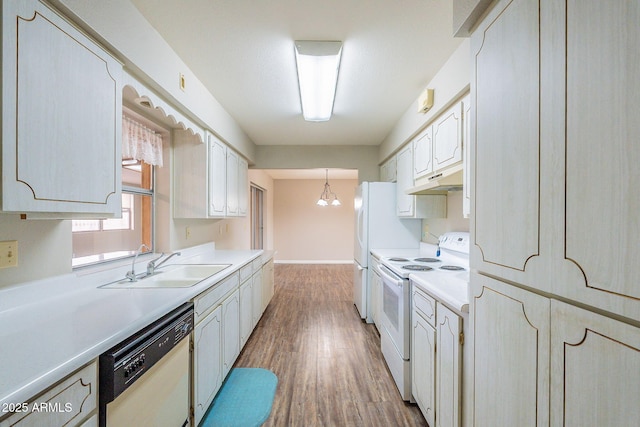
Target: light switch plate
{"type": "Point", "coordinates": [8, 253]}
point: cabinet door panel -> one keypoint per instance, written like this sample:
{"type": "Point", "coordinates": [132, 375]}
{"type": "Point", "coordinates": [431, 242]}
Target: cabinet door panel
{"type": "Point", "coordinates": [65, 126]}
{"type": "Point", "coordinates": [231, 330]}
{"type": "Point", "coordinates": [448, 368]}
{"type": "Point", "coordinates": [595, 377]}
{"type": "Point", "coordinates": [232, 183]}
{"type": "Point", "coordinates": [423, 153]}
{"type": "Point", "coordinates": [447, 138]}
{"type": "Point", "coordinates": [207, 361]}
{"type": "Point", "coordinates": [246, 311]}
{"type": "Point", "coordinates": [505, 126]}
{"type": "Point", "coordinates": [217, 178]}
{"type": "Point", "coordinates": [243, 186]}
{"type": "Point", "coordinates": [405, 203]}
{"type": "Point", "coordinates": [423, 372]}
{"type": "Point", "coordinates": [602, 127]}
{"type": "Point", "coordinates": [511, 354]}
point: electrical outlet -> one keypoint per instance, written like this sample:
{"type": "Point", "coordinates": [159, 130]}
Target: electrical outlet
{"type": "Point", "coordinates": [9, 254]}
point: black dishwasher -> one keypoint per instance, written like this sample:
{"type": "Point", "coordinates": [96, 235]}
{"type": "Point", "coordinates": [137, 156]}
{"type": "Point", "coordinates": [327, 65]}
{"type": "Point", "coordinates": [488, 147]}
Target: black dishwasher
{"type": "Point", "coordinates": [144, 380]}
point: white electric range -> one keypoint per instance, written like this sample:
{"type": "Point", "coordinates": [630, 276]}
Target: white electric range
{"type": "Point", "coordinates": [442, 270]}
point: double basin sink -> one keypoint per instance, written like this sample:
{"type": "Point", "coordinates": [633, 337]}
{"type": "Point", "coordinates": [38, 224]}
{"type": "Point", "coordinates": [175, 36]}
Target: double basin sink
{"type": "Point", "coordinates": [171, 276]}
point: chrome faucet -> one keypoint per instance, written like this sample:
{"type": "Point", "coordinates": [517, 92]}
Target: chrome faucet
{"type": "Point", "coordinates": [131, 275]}
{"type": "Point", "coordinates": [151, 266]}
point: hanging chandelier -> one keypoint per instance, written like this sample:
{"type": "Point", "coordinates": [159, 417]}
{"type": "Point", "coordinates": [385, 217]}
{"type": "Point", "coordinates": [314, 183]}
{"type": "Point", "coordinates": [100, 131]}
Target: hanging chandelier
{"type": "Point", "coordinates": [328, 196]}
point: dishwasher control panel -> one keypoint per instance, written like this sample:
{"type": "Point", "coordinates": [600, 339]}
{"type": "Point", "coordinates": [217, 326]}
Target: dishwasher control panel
{"type": "Point", "coordinates": [123, 364]}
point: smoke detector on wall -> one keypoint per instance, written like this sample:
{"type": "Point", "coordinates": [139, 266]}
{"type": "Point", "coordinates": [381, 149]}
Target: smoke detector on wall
{"type": "Point", "coordinates": [425, 102]}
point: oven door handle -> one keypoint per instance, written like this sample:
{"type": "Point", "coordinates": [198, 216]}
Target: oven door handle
{"type": "Point", "coordinates": [389, 276]}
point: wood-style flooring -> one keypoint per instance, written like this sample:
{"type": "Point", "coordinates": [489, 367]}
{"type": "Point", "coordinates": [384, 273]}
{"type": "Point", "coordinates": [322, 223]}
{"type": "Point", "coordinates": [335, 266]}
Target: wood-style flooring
{"type": "Point", "coordinates": [328, 362]}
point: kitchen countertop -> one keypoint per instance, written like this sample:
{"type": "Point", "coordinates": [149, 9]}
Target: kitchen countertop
{"type": "Point", "coordinates": [50, 328]}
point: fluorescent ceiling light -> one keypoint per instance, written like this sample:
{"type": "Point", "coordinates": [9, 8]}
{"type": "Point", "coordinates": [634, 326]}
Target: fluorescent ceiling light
{"type": "Point", "coordinates": [318, 63]}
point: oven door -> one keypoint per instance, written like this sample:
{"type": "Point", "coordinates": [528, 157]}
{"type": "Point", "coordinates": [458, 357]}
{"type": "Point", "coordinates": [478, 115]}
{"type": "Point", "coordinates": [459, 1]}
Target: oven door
{"type": "Point", "coordinates": [395, 310]}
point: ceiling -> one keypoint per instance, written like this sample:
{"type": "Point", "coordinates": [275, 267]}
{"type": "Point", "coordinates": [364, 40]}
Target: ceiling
{"type": "Point", "coordinates": [242, 51]}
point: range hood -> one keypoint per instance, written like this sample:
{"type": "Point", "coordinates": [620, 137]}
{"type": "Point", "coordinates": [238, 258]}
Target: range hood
{"type": "Point", "coordinates": [448, 180]}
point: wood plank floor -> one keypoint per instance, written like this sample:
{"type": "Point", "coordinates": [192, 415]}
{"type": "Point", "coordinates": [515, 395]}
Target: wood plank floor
{"type": "Point", "coordinates": [328, 362]}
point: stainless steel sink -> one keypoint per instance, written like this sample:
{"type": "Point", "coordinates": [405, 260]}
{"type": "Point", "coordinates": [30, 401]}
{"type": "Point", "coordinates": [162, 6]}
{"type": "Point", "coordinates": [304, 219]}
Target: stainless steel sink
{"type": "Point", "coordinates": [172, 276]}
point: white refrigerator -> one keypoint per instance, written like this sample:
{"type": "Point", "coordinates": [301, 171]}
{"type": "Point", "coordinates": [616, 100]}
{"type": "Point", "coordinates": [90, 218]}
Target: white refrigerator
{"type": "Point", "coordinates": [377, 227]}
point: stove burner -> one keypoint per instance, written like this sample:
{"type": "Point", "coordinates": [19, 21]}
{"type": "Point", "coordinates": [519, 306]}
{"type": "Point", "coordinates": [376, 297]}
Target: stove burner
{"type": "Point", "coordinates": [452, 268]}
{"type": "Point", "coordinates": [415, 267]}
{"type": "Point", "coordinates": [398, 260]}
{"type": "Point", "coordinates": [426, 260]}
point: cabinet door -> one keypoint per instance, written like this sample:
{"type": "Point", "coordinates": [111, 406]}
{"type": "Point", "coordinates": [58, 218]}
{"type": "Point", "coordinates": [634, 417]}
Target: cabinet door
{"type": "Point", "coordinates": [376, 296]}
{"type": "Point", "coordinates": [217, 178]}
{"type": "Point", "coordinates": [423, 153]}
{"type": "Point", "coordinates": [448, 368]}
{"type": "Point", "coordinates": [207, 361]}
{"type": "Point", "coordinates": [602, 153]}
{"type": "Point", "coordinates": [511, 354]}
{"type": "Point", "coordinates": [246, 311]}
{"type": "Point", "coordinates": [423, 362]}
{"type": "Point", "coordinates": [243, 186]}
{"type": "Point", "coordinates": [388, 170]}
{"type": "Point", "coordinates": [256, 298]}
{"type": "Point", "coordinates": [595, 369]}
{"type": "Point", "coordinates": [447, 138]}
{"type": "Point", "coordinates": [232, 183]}
{"type": "Point", "coordinates": [505, 94]}
{"type": "Point", "coordinates": [267, 284]}
{"type": "Point", "coordinates": [405, 202]}
{"type": "Point", "coordinates": [466, 159]}
{"type": "Point", "coordinates": [231, 331]}
{"type": "Point", "coordinates": [61, 115]}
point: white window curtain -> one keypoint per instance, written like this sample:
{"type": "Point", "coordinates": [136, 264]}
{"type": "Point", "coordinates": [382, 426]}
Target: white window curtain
{"type": "Point", "coordinates": [140, 142]}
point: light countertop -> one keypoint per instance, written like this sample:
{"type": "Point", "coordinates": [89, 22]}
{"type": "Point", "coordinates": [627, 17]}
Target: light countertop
{"type": "Point", "coordinates": [50, 328]}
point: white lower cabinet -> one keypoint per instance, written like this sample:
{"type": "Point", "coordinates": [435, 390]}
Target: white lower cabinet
{"type": "Point", "coordinates": [231, 331]}
{"type": "Point", "coordinates": [256, 298]}
{"type": "Point", "coordinates": [376, 292]}
{"type": "Point", "coordinates": [595, 369]}
{"type": "Point", "coordinates": [423, 357]}
{"type": "Point", "coordinates": [225, 316]}
{"type": "Point", "coordinates": [207, 362]}
{"type": "Point", "coordinates": [448, 368]}
{"type": "Point", "coordinates": [268, 284]}
{"type": "Point", "coordinates": [246, 311]}
{"type": "Point", "coordinates": [67, 403]}
{"type": "Point", "coordinates": [511, 335]}
{"type": "Point", "coordinates": [436, 360]}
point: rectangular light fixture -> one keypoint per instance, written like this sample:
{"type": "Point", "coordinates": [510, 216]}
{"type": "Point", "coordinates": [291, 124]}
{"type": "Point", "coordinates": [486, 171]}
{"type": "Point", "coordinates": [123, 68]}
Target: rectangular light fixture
{"type": "Point", "coordinates": [318, 63]}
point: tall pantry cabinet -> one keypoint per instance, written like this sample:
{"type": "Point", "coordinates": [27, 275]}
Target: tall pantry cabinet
{"type": "Point", "coordinates": [555, 308]}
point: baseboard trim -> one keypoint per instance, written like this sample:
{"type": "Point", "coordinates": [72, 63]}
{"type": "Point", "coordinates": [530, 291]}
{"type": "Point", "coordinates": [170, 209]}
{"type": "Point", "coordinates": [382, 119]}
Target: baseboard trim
{"type": "Point", "coordinates": [312, 261]}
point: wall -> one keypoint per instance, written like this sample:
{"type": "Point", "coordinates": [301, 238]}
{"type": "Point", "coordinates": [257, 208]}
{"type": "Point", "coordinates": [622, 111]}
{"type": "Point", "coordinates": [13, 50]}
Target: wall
{"type": "Point", "coordinates": [306, 232]}
{"type": "Point", "coordinates": [449, 84]}
{"type": "Point", "coordinates": [44, 248]}
{"type": "Point", "coordinates": [364, 158]}
{"type": "Point", "coordinates": [431, 228]}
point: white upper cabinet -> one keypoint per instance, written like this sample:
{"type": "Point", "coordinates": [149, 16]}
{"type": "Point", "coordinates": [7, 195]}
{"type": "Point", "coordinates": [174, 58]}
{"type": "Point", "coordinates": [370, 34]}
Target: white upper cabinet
{"type": "Point", "coordinates": [210, 180]}
{"type": "Point", "coordinates": [410, 206]}
{"type": "Point", "coordinates": [388, 170]}
{"type": "Point", "coordinates": [243, 186]}
{"type": "Point", "coordinates": [423, 153]}
{"type": "Point", "coordinates": [466, 154]}
{"type": "Point", "coordinates": [61, 115]}
{"type": "Point", "coordinates": [232, 183]}
{"type": "Point", "coordinates": [447, 138]}
{"type": "Point", "coordinates": [217, 177]}
{"type": "Point", "coordinates": [439, 146]}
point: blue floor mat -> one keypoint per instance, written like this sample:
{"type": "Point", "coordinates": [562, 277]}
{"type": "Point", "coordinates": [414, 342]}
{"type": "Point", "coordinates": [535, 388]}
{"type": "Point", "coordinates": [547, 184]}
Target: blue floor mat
{"type": "Point", "coordinates": [244, 400]}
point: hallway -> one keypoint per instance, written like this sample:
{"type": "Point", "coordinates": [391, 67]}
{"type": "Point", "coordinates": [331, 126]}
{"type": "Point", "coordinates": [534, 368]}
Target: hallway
{"type": "Point", "coordinates": [328, 362]}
